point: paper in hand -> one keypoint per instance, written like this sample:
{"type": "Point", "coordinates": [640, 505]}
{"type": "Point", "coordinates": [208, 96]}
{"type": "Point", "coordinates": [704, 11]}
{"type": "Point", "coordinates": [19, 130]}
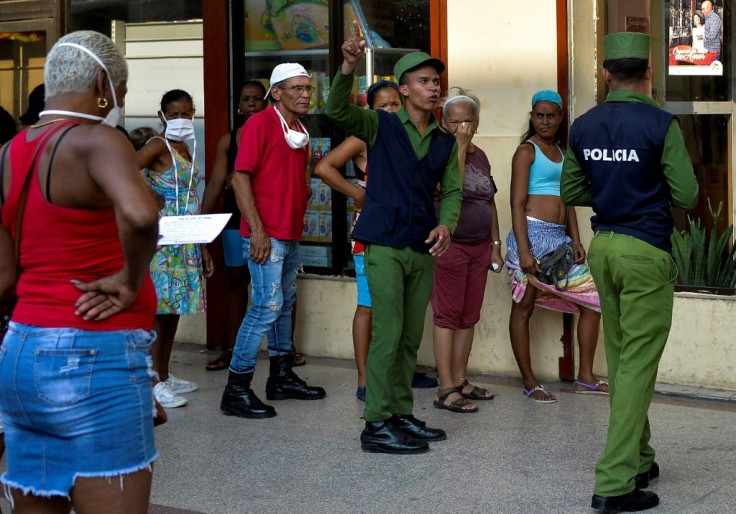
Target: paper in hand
{"type": "Point", "coordinates": [203, 228]}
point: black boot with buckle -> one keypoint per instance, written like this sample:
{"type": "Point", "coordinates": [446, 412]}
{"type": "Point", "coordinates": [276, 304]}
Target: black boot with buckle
{"type": "Point", "coordinates": [283, 383]}
{"type": "Point", "coordinates": [238, 399]}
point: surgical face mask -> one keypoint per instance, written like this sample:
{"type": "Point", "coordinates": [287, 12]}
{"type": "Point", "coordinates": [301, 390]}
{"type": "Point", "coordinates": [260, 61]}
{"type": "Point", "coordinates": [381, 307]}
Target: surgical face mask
{"type": "Point", "coordinates": [295, 139]}
{"type": "Point", "coordinates": [179, 129]}
{"type": "Point", "coordinates": [113, 116]}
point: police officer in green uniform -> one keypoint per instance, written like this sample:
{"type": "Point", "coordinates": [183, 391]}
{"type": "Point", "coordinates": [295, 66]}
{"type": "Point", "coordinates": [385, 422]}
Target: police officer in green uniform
{"type": "Point", "coordinates": [627, 159]}
{"type": "Point", "coordinates": [409, 155]}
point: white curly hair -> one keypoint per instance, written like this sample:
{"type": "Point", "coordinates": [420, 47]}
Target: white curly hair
{"type": "Point", "coordinates": [460, 95]}
{"type": "Point", "coordinates": [71, 70]}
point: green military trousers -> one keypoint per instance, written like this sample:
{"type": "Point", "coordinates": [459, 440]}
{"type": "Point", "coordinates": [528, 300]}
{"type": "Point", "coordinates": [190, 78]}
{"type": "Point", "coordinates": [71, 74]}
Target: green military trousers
{"type": "Point", "coordinates": [635, 282]}
{"type": "Point", "coordinates": [400, 282]}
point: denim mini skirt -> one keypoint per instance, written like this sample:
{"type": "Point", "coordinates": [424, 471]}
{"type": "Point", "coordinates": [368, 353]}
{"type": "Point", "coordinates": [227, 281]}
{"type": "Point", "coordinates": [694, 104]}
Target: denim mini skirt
{"type": "Point", "coordinates": [74, 403]}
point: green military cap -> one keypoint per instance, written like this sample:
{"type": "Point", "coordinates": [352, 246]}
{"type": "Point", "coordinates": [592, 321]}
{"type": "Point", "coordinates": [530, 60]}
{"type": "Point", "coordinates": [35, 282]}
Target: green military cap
{"type": "Point", "coordinates": [414, 60]}
{"type": "Point", "coordinates": [626, 45]}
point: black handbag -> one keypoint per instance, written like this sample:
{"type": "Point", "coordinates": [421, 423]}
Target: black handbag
{"type": "Point", "coordinates": [556, 266]}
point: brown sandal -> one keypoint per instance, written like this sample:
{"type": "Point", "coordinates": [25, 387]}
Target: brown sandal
{"type": "Point", "coordinates": [457, 405]}
{"type": "Point", "coordinates": [221, 362]}
{"type": "Point", "coordinates": [477, 393]}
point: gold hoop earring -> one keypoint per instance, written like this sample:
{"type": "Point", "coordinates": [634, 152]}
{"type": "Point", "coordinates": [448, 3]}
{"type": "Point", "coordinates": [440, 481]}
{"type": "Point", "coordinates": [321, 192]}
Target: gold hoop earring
{"type": "Point", "coordinates": [102, 102]}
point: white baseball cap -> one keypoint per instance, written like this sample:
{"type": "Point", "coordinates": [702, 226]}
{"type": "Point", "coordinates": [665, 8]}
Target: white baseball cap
{"type": "Point", "coordinates": [285, 71]}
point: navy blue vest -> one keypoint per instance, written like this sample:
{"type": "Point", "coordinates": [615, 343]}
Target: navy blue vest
{"type": "Point", "coordinates": [619, 146]}
{"type": "Point", "coordinates": [399, 199]}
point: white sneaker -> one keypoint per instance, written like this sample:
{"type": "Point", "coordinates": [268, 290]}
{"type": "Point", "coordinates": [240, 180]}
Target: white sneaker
{"type": "Point", "coordinates": [181, 386]}
{"type": "Point", "coordinates": [166, 397]}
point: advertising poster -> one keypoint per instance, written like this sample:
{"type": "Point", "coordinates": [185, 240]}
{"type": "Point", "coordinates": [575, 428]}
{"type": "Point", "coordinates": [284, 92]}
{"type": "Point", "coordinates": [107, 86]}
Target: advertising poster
{"type": "Point", "coordinates": [696, 37]}
{"type": "Point", "coordinates": [637, 24]}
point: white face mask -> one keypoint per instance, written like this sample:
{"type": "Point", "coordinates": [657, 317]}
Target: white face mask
{"type": "Point", "coordinates": [113, 116]}
{"type": "Point", "coordinates": [295, 139]}
{"type": "Point", "coordinates": [179, 129]}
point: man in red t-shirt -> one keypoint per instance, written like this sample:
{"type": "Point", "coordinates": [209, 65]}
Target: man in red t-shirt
{"type": "Point", "coordinates": [271, 190]}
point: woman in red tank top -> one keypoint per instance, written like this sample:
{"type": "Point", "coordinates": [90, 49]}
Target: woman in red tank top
{"type": "Point", "coordinates": [74, 379]}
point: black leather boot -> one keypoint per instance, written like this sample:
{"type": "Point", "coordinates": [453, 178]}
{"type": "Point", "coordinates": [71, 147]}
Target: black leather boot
{"type": "Point", "coordinates": [417, 429]}
{"type": "Point", "coordinates": [283, 382]}
{"type": "Point", "coordinates": [634, 501]}
{"type": "Point", "coordinates": [642, 479]}
{"type": "Point", "coordinates": [238, 399]}
{"type": "Point", "coordinates": [386, 437]}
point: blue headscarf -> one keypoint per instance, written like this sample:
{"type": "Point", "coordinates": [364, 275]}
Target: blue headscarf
{"type": "Point", "coordinates": [547, 95]}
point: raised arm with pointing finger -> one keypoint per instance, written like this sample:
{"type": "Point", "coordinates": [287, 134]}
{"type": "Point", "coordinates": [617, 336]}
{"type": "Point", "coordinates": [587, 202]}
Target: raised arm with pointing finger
{"type": "Point", "coordinates": [409, 154]}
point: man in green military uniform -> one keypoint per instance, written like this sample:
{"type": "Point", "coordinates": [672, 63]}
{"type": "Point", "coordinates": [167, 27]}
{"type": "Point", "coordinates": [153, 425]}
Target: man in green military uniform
{"type": "Point", "coordinates": [409, 154]}
{"type": "Point", "coordinates": [627, 159]}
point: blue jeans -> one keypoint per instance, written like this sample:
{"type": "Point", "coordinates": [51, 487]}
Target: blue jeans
{"type": "Point", "coordinates": [273, 292]}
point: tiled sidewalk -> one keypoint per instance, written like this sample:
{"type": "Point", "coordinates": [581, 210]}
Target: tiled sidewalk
{"type": "Point", "coordinates": [514, 456]}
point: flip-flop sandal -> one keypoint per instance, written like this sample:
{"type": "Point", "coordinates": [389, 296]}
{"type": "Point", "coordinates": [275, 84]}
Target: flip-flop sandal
{"type": "Point", "coordinates": [591, 388]}
{"type": "Point", "coordinates": [477, 393]}
{"type": "Point", "coordinates": [221, 362]}
{"type": "Point", "coordinates": [547, 395]}
{"type": "Point", "coordinates": [457, 405]}
{"type": "Point", "coordinates": [298, 360]}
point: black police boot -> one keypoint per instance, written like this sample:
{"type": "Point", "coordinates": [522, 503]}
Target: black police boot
{"type": "Point", "coordinates": [634, 501]}
{"type": "Point", "coordinates": [238, 399]}
{"type": "Point", "coordinates": [386, 437]}
{"type": "Point", "coordinates": [642, 479]}
{"type": "Point", "coordinates": [417, 429]}
{"type": "Point", "coordinates": [284, 383]}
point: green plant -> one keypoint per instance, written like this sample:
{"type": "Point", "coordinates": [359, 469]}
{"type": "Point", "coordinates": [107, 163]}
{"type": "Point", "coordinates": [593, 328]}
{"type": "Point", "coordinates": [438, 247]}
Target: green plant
{"type": "Point", "coordinates": [705, 259]}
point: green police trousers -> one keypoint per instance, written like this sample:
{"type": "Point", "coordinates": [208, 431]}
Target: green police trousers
{"type": "Point", "coordinates": [400, 282]}
{"type": "Point", "coordinates": [635, 282]}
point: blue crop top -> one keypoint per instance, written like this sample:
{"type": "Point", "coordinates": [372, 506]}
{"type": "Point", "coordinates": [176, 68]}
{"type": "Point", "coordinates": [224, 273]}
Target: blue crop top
{"type": "Point", "coordinates": [544, 174]}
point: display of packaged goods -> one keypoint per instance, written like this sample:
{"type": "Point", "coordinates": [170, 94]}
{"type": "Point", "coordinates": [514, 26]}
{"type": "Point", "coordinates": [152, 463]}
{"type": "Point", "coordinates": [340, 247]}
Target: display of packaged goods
{"type": "Point", "coordinates": [313, 202]}
{"type": "Point", "coordinates": [317, 256]}
{"type": "Point", "coordinates": [325, 195]}
{"type": "Point", "coordinates": [325, 226]}
{"type": "Point", "coordinates": [311, 226]}
{"type": "Point", "coordinates": [319, 147]}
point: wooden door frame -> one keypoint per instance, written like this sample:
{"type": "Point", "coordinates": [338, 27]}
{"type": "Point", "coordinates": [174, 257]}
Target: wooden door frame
{"type": "Point", "coordinates": [218, 67]}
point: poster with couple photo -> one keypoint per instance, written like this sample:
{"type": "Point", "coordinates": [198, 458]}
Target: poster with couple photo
{"type": "Point", "coordinates": [696, 31]}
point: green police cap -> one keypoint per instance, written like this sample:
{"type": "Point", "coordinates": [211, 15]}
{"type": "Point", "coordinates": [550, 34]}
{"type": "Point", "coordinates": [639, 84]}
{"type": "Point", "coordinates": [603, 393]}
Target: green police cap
{"type": "Point", "coordinates": [626, 45]}
{"type": "Point", "coordinates": [414, 60]}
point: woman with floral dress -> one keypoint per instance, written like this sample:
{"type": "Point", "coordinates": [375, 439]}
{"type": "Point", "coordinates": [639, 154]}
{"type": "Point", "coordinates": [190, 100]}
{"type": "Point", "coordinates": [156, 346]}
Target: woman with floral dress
{"type": "Point", "coordinates": [178, 271]}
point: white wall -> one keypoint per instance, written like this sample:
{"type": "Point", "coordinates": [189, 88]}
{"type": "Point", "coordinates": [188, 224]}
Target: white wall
{"type": "Point", "coordinates": [505, 55]}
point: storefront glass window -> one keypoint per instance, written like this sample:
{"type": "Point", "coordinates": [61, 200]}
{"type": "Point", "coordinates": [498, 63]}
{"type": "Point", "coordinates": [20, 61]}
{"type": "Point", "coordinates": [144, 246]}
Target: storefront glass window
{"type": "Point", "coordinates": [698, 67]}
{"type": "Point", "coordinates": [299, 31]}
{"type": "Point", "coordinates": [22, 56]}
{"type": "Point", "coordinates": [693, 77]}
{"type": "Point", "coordinates": [707, 140]}
{"type": "Point", "coordinates": [395, 23]}
{"type": "Point", "coordinates": [698, 87]}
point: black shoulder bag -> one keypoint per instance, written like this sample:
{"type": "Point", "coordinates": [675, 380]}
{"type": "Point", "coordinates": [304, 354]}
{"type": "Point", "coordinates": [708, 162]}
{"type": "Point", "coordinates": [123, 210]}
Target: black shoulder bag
{"type": "Point", "coordinates": [556, 266]}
